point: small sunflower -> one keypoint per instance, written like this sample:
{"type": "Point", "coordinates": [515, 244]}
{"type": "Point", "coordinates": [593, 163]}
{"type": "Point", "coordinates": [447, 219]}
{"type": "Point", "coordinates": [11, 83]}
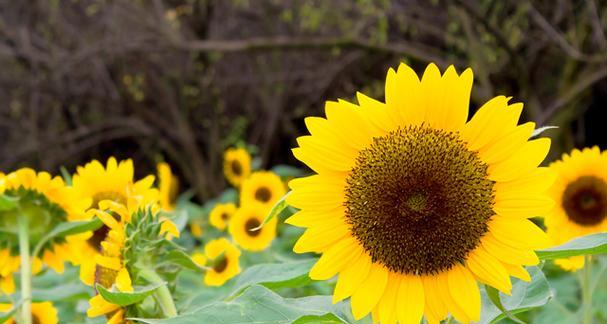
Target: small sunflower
{"type": "Point", "coordinates": [244, 227]}
{"type": "Point", "coordinates": [168, 186]}
{"type": "Point", "coordinates": [581, 195]}
{"type": "Point", "coordinates": [46, 202]}
{"type": "Point", "coordinates": [223, 259]}
{"type": "Point", "coordinates": [221, 214]}
{"type": "Point", "coordinates": [264, 187]}
{"type": "Point", "coordinates": [42, 313]}
{"type": "Point", "coordinates": [236, 165]}
{"type": "Point", "coordinates": [413, 203]}
{"type": "Point", "coordinates": [114, 182]}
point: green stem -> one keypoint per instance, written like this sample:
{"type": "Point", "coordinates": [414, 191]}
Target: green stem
{"type": "Point", "coordinates": [26, 271]}
{"type": "Point", "coordinates": [587, 291]}
{"type": "Point", "coordinates": [162, 294]}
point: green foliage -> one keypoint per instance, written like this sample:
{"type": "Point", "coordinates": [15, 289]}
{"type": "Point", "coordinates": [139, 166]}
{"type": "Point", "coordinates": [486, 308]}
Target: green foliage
{"type": "Point", "coordinates": [128, 298]}
{"type": "Point", "coordinates": [590, 244]}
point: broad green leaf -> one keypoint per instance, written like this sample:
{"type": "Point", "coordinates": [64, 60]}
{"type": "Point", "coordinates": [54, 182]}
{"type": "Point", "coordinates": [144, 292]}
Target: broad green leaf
{"type": "Point", "coordinates": [275, 275]}
{"type": "Point", "coordinates": [181, 258]}
{"type": "Point", "coordinates": [525, 296]}
{"type": "Point", "coordinates": [494, 295]}
{"type": "Point", "coordinates": [540, 130]}
{"type": "Point", "coordinates": [6, 316]}
{"type": "Point", "coordinates": [277, 209]}
{"type": "Point", "coordinates": [260, 305]}
{"type": "Point", "coordinates": [287, 171]}
{"type": "Point", "coordinates": [8, 202]}
{"type": "Point", "coordinates": [590, 244]}
{"type": "Point", "coordinates": [126, 298]}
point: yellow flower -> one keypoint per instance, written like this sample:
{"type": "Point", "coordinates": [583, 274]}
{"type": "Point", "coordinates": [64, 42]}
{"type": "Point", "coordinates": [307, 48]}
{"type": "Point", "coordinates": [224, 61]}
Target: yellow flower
{"type": "Point", "coordinates": [223, 259]}
{"type": "Point", "coordinates": [236, 165]}
{"type": "Point", "coordinates": [46, 202]}
{"type": "Point", "coordinates": [114, 182]}
{"type": "Point", "coordinates": [413, 204]}
{"type": "Point", "coordinates": [42, 313]}
{"type": "Point", "coordinates": [9, 264]}
{"type": "Point", "coordinates": [580, 192]}
{"type": "Point", "coordinates": [244, 227]}
{"type": "Point", "coordinates": [168, 185]}
{"type": "Point", "coordinates": [263, 187]}
{"type": "Point", "coordinates": [196, 228]}
{"type": "Point", "coordinates": [221, 214]}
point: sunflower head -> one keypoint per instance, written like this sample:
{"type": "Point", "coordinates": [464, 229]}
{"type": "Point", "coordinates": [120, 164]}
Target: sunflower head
{"type": "Point", "coordinates": [222, 260]}
{"type": "Point", "coordinates": [42, 313]}
{"type": "Point", "coordinates": [120, 259]}
{"type": "Point", "coordinates": [580, 192]}
{"type": "Point", "coordinates": [412, 204]}
{"type": "Point", "coordinates": [263, 187]}
{"type": "Point", "coordinates": [168, 186]}
{"type": "Point", "coordinates": [45, 202]}
{"type": "Point", "coordinates": [221, 214]}
{"type": "Point", "coordinates": [247, 230]}
{"type": "Point", "coordinates": [236, 165]}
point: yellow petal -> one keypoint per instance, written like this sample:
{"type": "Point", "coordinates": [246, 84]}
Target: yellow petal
{"type": "Point", "coordinates": [521, 233]}
{"type": "Point", "coordinates": [507, 253]}
{"type": "Point", "coordinates": [169, 227]}
{"type": "Point", "coordinates": [370, 291]}
{"type": "Point", "coordinates": [351, 278]}
{"type": "Point", "coordinates": [335, 259]}
{"type": "Point", "coordinates": [123, 281]}
{"type": "Point", "coordinates": [489, 270]}
{"type": "Point", "coordinates": [520, 205]}
{"type": "Point", "coordinates": [387, 306]}
{"type": "Point", "coordinates": [524, 161]}
{"type": "Point", "coordinates": [435, 308]}
{"type": "Point", "coordinates": [410, 302]}
{"type": "Point", "coordinates": [465, 292]}
{"type": "Point", "coordinates": [507, 145]}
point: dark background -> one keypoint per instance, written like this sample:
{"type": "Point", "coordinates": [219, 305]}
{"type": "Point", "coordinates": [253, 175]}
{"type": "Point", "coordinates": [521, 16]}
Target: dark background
{"type": "Point", "coordinates": [182, 80]}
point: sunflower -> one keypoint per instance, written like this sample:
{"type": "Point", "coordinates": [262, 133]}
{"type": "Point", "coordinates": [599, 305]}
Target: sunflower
{"type": "Point", "coordinates": [223, 258]}
{"type": "Point", "coordinates": [412, 204]}
{"type": "Point", "coordinates": [264, 187]}
{"type": "Point", "coordinates": [42, 313]}
{"type": "Point", "coordinates": [581, 195]}
{"type": "Point", "coordinates": [9, 264]}
{"type": "Point", "coordinates": [196, 228]}
{"type": "Point", "coordinates": [168, 186]}
{"type": "Point", "coordinates": [114, 182]}
{"type": "Point", "coordinates": [244, 227]}
{"type": "Point", "coordinates": [221, 214]}
{"type": "Point", "coordinates": [45, 202]}
{"type": "Point", "coordinates": [236, 165]}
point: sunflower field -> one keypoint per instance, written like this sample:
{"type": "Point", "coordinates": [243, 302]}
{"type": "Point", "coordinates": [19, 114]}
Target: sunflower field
{"type": "Point", "coordinates": [237, 162]}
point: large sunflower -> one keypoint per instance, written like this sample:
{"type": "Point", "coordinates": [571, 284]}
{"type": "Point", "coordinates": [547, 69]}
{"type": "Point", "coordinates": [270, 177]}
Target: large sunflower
{"type": "Point", "coordinates": [45, 202]}
{"type": "Point", "coordinates": [412, 204]}
{"type": "Point", "coordinates": [42, 313]}
{"type": "Point", "coordinates": [236, 165]}
{"type": "Point", "coordinates": [114, 182]}
{"type": "Point", "coordinates": [245, 227]}
{"type": "Point", "coordinates": [581, 195]}
{"type": "Point", "coordinates": [222, 257]}
{"type": "Point", "coordinates": [264, 187]}
{"type": "Point", "coordinates": [168, 186]}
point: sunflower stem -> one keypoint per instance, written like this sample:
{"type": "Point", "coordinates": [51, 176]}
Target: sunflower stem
{"type": "Point", "coordinates": [26, 271]}
{"type": "Point", "coordinates": [586, 291]}
{"type": "Point", "coordinates": [162, 294]}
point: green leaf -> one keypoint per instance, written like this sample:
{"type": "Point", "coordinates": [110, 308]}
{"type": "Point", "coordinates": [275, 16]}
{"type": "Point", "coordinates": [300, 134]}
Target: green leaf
{"type": "Point", "coordinates": [126, 298]}
{"type": "Point", "coordinates": [181, 258]}
{"type": "Point", "coordinates": [275, 275]}
{"type": "Point", "coordinates": [590, 244]}
{"type": "Point", "coordinates": [67, 176]}
{"type": "Point", "coordinates": [8, 315]}
{"type": "Point", "coordinates": [494, 296]}
{"type": "Point", "coordinates": [260, 305]}
{"type": "Point", "coordinates": [525, 296]}
{"type": "Point", "coordinates": [276, 210]}
{"type": "Point", "coordinates": [287, 171]}
{"type": "Point", "coordinates": [8, 202]}
{"type": "Point", "coordinates": [539, 131]}
{"type": "Point", "coordinates": [69, 228]}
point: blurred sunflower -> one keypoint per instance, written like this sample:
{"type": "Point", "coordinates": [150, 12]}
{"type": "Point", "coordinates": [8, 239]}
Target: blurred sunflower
{"type": "Point", "coordinates": [42, 313]}
{"type": "Point", "coordinates": [114, 182]}
{"type": "Point", "coordinates": [264, 187]}
{"type": "Point", "coordinates": [236, 165]}
{"type": "Point", "coordinates": [9, 264]}
{"type": "Point", "coordinates": [196, 228]}
{"type": "Point", "coordinates": [581, 195]}
{"type": "Point", "coordinates": [412, 204]}
{"type": "Point", "coordinates": [168, 186]}
{"type": "Point", "coordinates": [223, 259]}
{"type": "Point", "coordinates": [244, 227]}
{"type": "Point", "coordinates": [45, 202]}
{"type": "Point", "coordinates": [221, 214]}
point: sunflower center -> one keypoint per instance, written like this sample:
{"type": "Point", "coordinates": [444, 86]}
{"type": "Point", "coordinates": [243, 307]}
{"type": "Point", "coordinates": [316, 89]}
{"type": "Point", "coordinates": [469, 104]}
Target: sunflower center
{"type": "Point", "coordinates": [35, 319]}
{"type": "Point", "coordinates": [221, 264]}
{"type": "Point", "coordinates": [263, 194]}
{"type": "Point", "coordinates": [585, 200]}
{"type": "Point", "coordinates": [225, 216]}
{"type": "Point", "coordinates": [236, 167]}
{"type": "Point", "coordinates": [101, 233]}
{"type": "Point", "coordinates": [418, 200]}
{"type": "Point", "coordinates": [252, 227]}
